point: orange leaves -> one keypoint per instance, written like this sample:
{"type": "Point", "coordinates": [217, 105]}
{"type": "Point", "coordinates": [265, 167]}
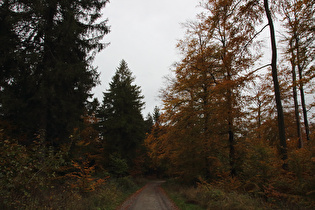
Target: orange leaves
{"type": "Point", "coordinates": [82, 178]}
{"type": "Point", "coordinates": [301, 162]}
{"type": "Point", "coordinates": [202, 103]}
{"type": "Point", "coordinates": [86, 157]}
{"type": "Point", "coordinates": [212, 126]}
{"type": "Point", "coordinates": [156, 145]}
{"type": "Point", "coordinates": [272, 193]}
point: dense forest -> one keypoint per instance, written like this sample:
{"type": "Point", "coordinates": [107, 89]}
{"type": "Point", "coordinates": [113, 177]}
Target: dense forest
{"type": "Point", "coordinates": [230, 119]}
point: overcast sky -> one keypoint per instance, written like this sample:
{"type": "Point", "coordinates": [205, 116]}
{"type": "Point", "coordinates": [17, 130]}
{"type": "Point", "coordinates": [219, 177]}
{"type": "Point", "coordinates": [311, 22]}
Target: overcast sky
{"type": "Point", "coordinates": [144, 33]}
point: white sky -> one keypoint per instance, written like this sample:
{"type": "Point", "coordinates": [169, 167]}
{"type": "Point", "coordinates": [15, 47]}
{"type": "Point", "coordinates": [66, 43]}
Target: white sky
{"type": "Point", "coordinates": [144, 33]}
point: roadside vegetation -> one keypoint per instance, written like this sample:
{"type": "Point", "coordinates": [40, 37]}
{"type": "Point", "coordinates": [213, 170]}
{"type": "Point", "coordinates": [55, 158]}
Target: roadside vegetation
{"type": "Point", "coordinates": [32, 178]}
{"type": "Point", "coordinates": [211, 196]}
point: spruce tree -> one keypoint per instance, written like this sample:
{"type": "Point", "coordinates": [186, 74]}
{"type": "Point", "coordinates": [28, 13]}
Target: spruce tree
{"type": "Point", "coordinates": [47, 91]}
{"type": "Point", "coordinates": [122, 125]}
{"type": "Point", "coordinates": [9, 42]}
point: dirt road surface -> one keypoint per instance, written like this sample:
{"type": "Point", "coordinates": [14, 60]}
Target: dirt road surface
{"type": "Point", "coordinates": [150, 197]}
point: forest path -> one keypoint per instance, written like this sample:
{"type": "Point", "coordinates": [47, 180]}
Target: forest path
{"type": "Point", "coordinates": [150, 197]}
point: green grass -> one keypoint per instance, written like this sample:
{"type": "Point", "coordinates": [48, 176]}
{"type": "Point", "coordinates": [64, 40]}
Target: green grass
{"type": "Point", "coordinates": [182, 203]}
{"type": "Point", "coordinates": [174, 192]}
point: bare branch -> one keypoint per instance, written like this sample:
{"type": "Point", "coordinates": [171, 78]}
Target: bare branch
{"type": "Point", "coordinates": [245, 46]}
{"type": "Point", "coordinates": [261, 68]}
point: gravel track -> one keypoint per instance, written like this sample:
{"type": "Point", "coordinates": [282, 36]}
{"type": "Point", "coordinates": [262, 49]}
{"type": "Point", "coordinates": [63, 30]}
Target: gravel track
{"type": "Point", "coordinates": [150, 197]}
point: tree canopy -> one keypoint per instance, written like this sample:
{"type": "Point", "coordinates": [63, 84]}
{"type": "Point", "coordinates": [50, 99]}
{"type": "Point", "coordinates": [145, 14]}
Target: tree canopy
{"type": "Point", "coordinates": [48, 73]}
{"type": "Point", "coordinates": [123, 127]}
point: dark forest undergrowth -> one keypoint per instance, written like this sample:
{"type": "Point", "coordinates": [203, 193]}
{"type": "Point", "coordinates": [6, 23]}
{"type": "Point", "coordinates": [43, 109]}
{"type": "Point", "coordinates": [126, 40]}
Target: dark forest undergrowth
{"type": "Point", "coordinates": [107, 196]}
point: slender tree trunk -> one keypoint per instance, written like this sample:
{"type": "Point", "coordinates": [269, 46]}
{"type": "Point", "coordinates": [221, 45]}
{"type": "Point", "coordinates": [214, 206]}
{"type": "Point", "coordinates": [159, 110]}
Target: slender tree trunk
{"type": "Point", "coordinates": [281, 127]}
{"type": "Point", "coordinates": [45, 68]}
{"type": "Point", "coordinates": [232, 150]}
{"type": "Point", "coordinates": [227, 69]}
{"type": "Point", "coordinates": [296, 103]}
{"type": "Point", "coordinates": [206, 133]}
{"type": "Point", "coordinates": [307, 129]}
{"type": "Point", "coordinates": [259, 118]}
{"type": "Point", "coordinates": [206, 113]}
{"type": "Point", "coordinates": [230, 125]}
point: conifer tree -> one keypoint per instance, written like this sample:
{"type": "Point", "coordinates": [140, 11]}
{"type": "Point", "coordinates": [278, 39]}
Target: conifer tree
{"type": "Point", "coordinates": [47, 90]}
{"type": "Point", "coordinates": [156, 114]}
{"type": "Point", "coordinates": [9, 42]}
{"type": "Point", "coordinates": [123, 126]}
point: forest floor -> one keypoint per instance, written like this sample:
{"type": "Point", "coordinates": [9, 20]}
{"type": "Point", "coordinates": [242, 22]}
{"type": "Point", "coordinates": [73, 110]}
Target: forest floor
{"type": "Point", "coordinates": [150, 197]}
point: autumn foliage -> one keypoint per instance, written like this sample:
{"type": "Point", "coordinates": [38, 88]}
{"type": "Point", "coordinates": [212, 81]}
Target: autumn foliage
{"type": "Point", "coordinates": [232, 126]}
{"type": "Point", "coordinates": [219, 124]}
{"type": "Point", "coordinates": [82, 177]}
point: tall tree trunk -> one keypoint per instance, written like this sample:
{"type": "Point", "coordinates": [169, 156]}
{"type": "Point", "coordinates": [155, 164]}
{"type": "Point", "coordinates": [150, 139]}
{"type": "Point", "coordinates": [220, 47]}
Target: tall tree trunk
{"type": "Point", "coordinates": [296, 103]}
{"type": "Point", "coordinates": [281, 127]}
{"type": "Point", "coordinates": [205, 110]}
{"type": "Point", "coordinates": [45, 68]}
{"type": "Point", "coordinates": [259, 117]}
{"type": "Point", "coordinates": [230, 125]}
{"type": "Point", "coordinates": [307, 129]}
{"type": "Point", "coordinates": [232, 150]}
{"type": "Point", "coordinates": [227, 69]}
